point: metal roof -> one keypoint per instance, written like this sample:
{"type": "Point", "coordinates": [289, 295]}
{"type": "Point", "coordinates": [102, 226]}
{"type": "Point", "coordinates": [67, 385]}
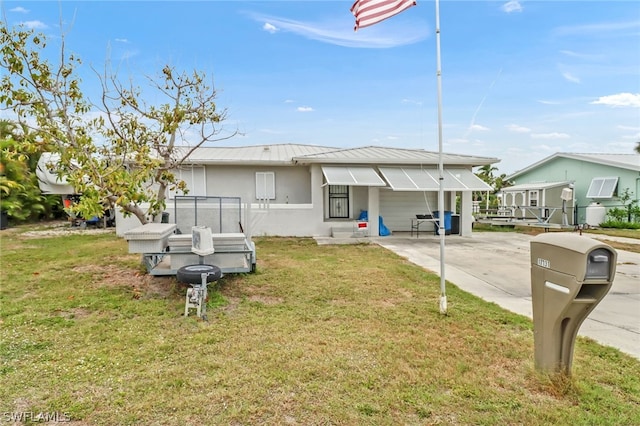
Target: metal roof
{"type": "Point", "coordinates": [352, 176]}
{"type": "Point", "coordinates": [535, 186]}
{"type": "Point", "coordinates": [419, 179]}
{"type": "Point", "coordinates": [623, 161]}
{"type": "Point", "coordinates": [386, 155]}
{"type": "Point", "coordinates": [290, 154]}
{"type": "Point", "coordinates": [254, 154]}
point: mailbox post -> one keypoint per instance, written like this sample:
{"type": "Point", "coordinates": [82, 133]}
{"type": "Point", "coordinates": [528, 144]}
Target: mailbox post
{"type": "Point", "coordinates": [570, 274]}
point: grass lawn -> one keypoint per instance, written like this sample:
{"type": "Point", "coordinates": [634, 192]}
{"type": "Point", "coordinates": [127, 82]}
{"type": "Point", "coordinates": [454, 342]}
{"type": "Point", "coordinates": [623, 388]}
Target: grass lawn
{"type": "Point", "coordinates": [344, 335]}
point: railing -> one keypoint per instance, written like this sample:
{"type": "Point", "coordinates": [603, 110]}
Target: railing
{"type": "Point", "coordinates": [221, 214]}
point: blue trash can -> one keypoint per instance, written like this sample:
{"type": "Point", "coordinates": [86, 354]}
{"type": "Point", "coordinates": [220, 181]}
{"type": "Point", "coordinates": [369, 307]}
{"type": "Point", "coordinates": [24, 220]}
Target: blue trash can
{"type": "Point", "coordinates": [447, 222]}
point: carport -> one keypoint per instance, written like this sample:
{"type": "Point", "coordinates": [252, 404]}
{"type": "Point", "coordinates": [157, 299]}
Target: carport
{"type": "Point", "coordinates": [457, 181]}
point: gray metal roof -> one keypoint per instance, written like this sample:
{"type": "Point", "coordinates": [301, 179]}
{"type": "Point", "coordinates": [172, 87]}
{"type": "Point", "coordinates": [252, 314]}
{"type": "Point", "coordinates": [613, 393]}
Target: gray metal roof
{"type": "Point", "coordinates": [255, 154]}
{"type": "Point", "coordinates": [289, 154]}
{"type": "Point", "coordinates": [398, 156]}
{"type": "Point", "coordinates": [623, 161]}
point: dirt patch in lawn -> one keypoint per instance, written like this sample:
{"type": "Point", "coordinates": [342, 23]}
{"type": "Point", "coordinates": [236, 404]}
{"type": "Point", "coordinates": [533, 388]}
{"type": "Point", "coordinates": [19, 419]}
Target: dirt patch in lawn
{"type": "Point", "coordinates": [142, 285]}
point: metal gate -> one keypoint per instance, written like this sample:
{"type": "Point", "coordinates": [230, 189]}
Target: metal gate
{"type": "Point", "coordinates": [338, 201]}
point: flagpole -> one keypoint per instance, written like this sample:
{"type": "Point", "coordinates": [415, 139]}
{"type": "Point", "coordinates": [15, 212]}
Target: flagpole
{"type": "Point", "coordinates": [368, 13]}
{"type": "Point", "coordinates": [441, 227]}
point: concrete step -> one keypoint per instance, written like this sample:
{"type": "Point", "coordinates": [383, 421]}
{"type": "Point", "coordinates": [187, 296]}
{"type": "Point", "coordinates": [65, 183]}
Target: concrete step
{"type": "Point", "coordinates": [337, 233]}
{"type": "Point", "coordinates": [348, 230]}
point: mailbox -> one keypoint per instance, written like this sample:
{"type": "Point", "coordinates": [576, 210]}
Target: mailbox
{"type": "Point", "coordinates": [570, 274]}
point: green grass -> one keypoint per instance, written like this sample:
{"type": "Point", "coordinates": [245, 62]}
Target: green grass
{"type": "Point", "coordinates": [627, 233]}
{"type": "Point", "coordinates": [347, 335]}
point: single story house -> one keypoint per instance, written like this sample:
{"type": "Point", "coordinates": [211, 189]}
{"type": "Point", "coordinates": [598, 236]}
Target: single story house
{"type": "Point", "coordinates": [595, 181]}
{"type": "Point", "coordinates": [542, 202]}
{"type": "Point", "coordinates": [306, 190]}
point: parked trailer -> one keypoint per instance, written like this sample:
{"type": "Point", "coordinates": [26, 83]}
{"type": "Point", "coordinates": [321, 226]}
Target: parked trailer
{"type": "Point", "coordinates": [164, 252]}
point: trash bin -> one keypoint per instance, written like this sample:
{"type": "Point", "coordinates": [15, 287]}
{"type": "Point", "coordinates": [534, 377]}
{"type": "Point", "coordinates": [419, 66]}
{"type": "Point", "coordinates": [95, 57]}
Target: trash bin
{"type": "Point", "coordinates": [570, 274]}
{"type": "Point", "coordinates": [447, 222]}
{"type": "Point", "coordinates": [455, 224]}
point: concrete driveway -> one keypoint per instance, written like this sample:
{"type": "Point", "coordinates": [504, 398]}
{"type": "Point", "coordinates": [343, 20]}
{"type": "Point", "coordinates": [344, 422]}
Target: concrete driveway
{"type": "Point", "coordinates": [496, 267]}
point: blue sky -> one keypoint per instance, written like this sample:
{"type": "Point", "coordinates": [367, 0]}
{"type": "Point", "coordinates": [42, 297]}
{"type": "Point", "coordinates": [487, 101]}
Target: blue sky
{"type": "Point", "coordinates": [521, 80]}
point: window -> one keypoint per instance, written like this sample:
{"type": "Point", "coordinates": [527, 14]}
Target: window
{"type": "Point", "coordinates": [602, 187]}
{"type": "Point", "coordinates": [195, 179]}
{"type": "Point", "coordinates": [338, 201]}
{"type": "Point", "coordinates": [265, 186]}
{"type": "Point", "coordinates": [533, 198]}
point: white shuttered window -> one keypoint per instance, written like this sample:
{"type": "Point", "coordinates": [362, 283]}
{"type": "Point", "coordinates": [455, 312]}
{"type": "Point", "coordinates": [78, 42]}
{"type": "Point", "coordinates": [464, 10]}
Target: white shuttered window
{"type": "Point", "coordinates": [265, 186]}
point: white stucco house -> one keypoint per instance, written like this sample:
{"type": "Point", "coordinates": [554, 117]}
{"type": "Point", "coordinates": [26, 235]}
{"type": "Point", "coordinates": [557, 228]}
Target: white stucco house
{"type": "Point", "coordinates": [306, 190]}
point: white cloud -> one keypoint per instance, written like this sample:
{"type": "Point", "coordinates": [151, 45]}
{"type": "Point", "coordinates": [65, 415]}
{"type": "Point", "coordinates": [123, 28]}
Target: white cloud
{"type": "Point", "coordinates": [340, 31]}
{"type": "Point", "coordinates": [289, 101]}
{"type": "Point", "coordinates": [518, 129]}
{"type": "Point", "coordinates": [635, 137]}
{"type": "Point", "coordinates": [270, 28]}
{"type": "Point", "coordinates": [553, 135]}
{"type": "Point", "coordinates": [411, 101]}
{"type": "Point", "coordinates": [479, 128]}
{"type": "Point", "coordinates": [632, 128]}
{"type": "Point", "coordinates": [512, 6]}
{"type": "Point", "coordinates": [122, 40]}
{"type": "Point", "coordinates": [541, 101]}
{"type": "Point", "coordinates": [570, 77]}
{"type": "Point", "coordinates": [619, 100]}
{"type": "Point", "coordinates": [128, 54]}
{"type": "Point", "coordinates": [19, 9]}
{"type": "Point", "coordinates": [34, 25]}
{"type": "Point", "coordinates": [304, 109]}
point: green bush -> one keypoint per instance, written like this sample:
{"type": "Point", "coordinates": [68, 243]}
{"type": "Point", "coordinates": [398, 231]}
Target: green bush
{"type": "Point", "coordinates": [20, 195]}
{"type": "Point", "coordinates": [619, 224]}
{"type": "Point", "coordinates": [626, 217]}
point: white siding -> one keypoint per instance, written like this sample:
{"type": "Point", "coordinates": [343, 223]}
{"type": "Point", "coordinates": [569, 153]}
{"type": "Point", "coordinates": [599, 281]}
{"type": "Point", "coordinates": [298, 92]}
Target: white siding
{"type": "Point", "coordinates": [398, 208]}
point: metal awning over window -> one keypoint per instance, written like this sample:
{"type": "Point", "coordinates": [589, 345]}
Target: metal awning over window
{"type": "Point", "coordinates": [415, 179]}
{"type": "Point", "coordinates": [352, 176]}
{"type": "Point", "coordinates": [602, 187]}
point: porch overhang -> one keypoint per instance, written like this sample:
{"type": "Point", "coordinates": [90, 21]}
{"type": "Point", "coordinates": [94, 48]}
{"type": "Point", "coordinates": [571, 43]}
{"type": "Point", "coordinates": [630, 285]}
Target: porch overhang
{"type": "Point", "coordinates": [421, 179]}
{"type": "Point", "coordinates": [352, 176]}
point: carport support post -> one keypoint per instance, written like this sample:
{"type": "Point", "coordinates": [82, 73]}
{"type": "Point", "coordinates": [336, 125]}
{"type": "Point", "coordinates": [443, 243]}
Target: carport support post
{"type": "Point", "coordinates": [374, 211]}
{"type": "Point", "coordinates": [466, 214]}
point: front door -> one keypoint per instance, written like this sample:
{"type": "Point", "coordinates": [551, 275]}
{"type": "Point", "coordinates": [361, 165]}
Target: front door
{"type": "Point", "coordinates": [338, 201]}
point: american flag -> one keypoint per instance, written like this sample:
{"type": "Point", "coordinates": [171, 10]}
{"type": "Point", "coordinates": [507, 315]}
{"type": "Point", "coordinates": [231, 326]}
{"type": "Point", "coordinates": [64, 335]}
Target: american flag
{"type": "Point", "coordinates": [369, 12]}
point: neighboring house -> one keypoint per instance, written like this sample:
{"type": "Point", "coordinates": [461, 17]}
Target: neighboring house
{"type": "Point", "coordinates": [543, 202]}
{"type": "Point", "coordinates": [304, 190]}
{"type": "Point", "coordinates": [596, 181]}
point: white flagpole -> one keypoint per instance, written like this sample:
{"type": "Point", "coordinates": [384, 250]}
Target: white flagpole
{"type": "Point", "coordinates": [441, 229]}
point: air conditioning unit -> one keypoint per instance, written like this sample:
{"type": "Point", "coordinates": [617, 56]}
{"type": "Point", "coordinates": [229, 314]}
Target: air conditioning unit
{"type": "Point", "coordinates": [567, 194]}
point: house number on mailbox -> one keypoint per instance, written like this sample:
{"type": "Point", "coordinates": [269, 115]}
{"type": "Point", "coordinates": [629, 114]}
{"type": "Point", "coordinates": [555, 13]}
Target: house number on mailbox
{"type": "Point", "coordinates": [544, 263]}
